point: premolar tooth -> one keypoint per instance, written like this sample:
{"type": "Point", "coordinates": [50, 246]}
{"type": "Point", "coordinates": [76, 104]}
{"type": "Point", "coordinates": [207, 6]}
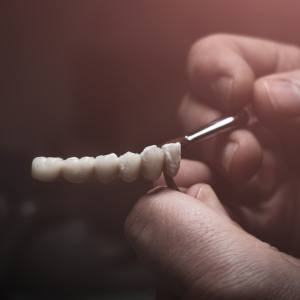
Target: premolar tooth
{"type": "Point", "coordinates": [107, 167]}
{"type": "Point", "coordinates": [77, 170]}
{"type": "Point", "coordinates": [172, 158]}
{"type": "Point", "coordinates": [87, 164]}
{"type": "Point", "coordinates": [152, 162]}
{"type": "Point", "coordinates": [130, 165]}
{"type": "Point", "coordinates": [46, 168]}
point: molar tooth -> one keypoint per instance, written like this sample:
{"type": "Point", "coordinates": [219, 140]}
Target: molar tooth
{"type": "Point", "coordinates": [77, 170]}
{"type": "Point", "coordinates": [130, 165]}
{"type": "Point", "coordinates": [152, 162]}
{"type": "Point", "coordinates": [107, 167]}
{"type": "Point", "coordinates": [46, 168]}
{"type": "Point", "coordinates": [172, 158]}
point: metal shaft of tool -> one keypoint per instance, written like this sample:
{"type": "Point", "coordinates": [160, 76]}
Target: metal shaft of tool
{"type": "Point", "coordinates": [224, 124]}
{"type": "Point", "coordinates": [221, 125]}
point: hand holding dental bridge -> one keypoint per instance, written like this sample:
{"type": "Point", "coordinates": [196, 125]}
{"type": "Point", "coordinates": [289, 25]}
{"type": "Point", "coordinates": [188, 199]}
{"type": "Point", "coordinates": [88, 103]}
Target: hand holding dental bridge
{"type": "Point", "coordinates": [234, 232]}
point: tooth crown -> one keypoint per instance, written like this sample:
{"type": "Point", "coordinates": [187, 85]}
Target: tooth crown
{"type": "Point", "coordinates": [152, 162]}
{"type": "Point", "coordinates": [77, 170]}
{"type": "Point", "coordinates": [172, 158]}
{"type": "Point", "coordinates": [130, 166]}
{"type": "Point", "coordinates": [46, 169]}
{"type": "Point", "coordinates": [106, 168]}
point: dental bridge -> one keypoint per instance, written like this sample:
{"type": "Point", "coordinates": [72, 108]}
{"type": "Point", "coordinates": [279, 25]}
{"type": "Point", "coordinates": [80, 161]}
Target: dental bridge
{"type": "Point", "coordinates": [129, 167]}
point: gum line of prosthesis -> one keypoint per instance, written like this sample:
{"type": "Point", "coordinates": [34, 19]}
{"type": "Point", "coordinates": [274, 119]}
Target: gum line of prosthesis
{"type": "Point", "coordinates": [106, 168]}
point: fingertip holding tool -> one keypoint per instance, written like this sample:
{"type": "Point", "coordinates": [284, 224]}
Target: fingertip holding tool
{"type": "Point", "coordinates": [222, 125]}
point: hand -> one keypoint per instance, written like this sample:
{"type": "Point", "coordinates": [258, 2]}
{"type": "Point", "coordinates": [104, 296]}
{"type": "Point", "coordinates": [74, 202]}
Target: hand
{"type": "Point", "coordinates": [198, 252]}
{"type": "Point", "coordinates": [261, 165]}
{"type": "Point", "coordinates": [256, 170]}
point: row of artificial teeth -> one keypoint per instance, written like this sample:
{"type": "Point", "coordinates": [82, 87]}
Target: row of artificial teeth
{"type": "Point", "coordinates": [129, 167]}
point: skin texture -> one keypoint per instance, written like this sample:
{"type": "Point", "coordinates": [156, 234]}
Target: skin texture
{"type": "Point", "coordinates": [244, 243]}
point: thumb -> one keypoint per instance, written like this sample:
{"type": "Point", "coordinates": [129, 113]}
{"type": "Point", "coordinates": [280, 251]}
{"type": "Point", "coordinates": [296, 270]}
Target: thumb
{"type": "Point", "coordinates": [189, 241]}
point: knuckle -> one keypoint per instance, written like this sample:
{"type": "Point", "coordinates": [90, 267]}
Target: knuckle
{"type": "Point", "coordinates": [204, 52]}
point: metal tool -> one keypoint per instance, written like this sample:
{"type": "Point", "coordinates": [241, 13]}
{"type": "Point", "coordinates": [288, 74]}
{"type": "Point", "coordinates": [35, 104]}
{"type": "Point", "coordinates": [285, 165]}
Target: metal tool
{"type": "Point", "coordinates": [214, 128]}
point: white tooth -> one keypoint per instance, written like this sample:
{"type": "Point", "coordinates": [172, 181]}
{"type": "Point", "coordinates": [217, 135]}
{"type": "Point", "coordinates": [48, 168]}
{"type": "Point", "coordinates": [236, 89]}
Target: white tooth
{"type": "Point", "coordinates": [130, 165]}
{"type": "Point", "coordinates": [77, 170]}
{"type": "Point", "coordinates": [172, 158]}
{"type": "Point", "coordinates": [152, 162]}
{"type": "Point", "coordinates": [87, 166]}
{"type": "Point", "coordinates": [71, 170]}
{"type": "Point", "coordinates": [46, 168]}
{"type": "Point", "coordinates": [107, 167]}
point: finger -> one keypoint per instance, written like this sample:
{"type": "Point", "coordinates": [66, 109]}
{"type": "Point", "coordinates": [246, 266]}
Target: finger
{"type": "Point", "coordinates": [271, 173]}
{"type": "Point", "coordinates": [240, 156]}
{"type": "Point", "coordinates": [237, 155]}
{"type": "Point", "coordinates": [190, 173]}
{"type": "Point", "coordinates": [207, 196]}
{"type": "Point", "coordinates": [273, 219]}
{"type": "Point", "coordinates": [277, 103]}
{"type": "Point", "coordinates": [277, 99]}
{"type": "Point", "coordinates": [273, 169]}
{"type": "Point", "coordinates": [197, 251]}
{"type": "Point", "coordinates": [222, 67]}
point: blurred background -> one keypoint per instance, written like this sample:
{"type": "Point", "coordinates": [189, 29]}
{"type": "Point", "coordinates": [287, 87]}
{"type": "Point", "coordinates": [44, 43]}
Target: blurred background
{"type": "Point", "coordinates": [86, 78]}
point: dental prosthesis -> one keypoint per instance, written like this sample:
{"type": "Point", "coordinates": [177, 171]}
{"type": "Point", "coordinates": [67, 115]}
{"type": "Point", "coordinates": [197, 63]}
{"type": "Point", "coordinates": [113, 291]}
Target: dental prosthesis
{"type": "Point", "coordinates": [106, 168]}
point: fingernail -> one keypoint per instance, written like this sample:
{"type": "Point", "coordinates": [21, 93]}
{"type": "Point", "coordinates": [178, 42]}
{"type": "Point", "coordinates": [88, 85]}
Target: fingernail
{"type": "Point", "coordinates": [228, 154]}
{"type": "Point", "coordinates": [195, 190]}
{"type": "Point", "coordinates": [222, 90]}
{"type": "Point", "coordinates": [284, 95]}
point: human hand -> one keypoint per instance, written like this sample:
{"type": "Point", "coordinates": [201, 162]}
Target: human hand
{"type": "Point", "coordinates": [198, 252]}
{"type": "Point", "coordinates": [256, 169]}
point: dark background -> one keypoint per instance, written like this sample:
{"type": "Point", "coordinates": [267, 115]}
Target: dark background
{"type": "Point", "coordinates": [86, 77]}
